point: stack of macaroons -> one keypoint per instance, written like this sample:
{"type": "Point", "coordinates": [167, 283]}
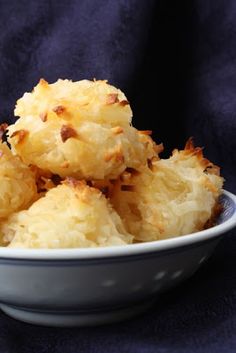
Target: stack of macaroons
{"type": "Point", "coordinates": [80, 175]}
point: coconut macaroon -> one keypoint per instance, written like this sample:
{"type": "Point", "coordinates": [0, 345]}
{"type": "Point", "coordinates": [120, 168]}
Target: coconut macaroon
{"type": "Point", "coordinates": [72, 215]}
{"type": "Point", "coordinates": [80, 129]}
{"type": "Point", "coordinates": [85, 100]}
{"type": "Point", "coordinates": [172, 197]}
{"type": "Point", "coordinates": [17, 183]}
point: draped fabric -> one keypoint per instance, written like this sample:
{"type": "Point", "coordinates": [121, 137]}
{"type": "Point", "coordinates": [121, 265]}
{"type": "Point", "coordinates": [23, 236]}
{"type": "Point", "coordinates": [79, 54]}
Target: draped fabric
{"type": "Point", "coordinates": [176, 62]}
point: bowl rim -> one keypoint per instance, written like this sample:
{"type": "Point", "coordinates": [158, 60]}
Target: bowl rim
{"type": "Point", "coordinates": [124, 250]}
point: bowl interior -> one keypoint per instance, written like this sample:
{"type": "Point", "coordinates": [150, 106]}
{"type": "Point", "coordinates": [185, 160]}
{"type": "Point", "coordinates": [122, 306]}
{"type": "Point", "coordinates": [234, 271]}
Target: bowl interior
{"type": "Point", "coordinates": [229, 207]}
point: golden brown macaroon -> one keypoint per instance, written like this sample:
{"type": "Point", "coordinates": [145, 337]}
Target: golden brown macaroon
{"type": "Point", "coordinates": [80, 129]}
{"type": "Point", "coordinates": [172, 197]}
{"type": "Point", "coordinates": [17, 183]}
{"type": "Point", "coordinates": [72, 215]}
{"type": "Point", "coordinates": [85, 100]}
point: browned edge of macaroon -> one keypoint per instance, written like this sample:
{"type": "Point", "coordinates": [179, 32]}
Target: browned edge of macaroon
{"type": "Point", "coordinates": [3, 128]}
{"type": "Point", "coordinates": [112, 98]}
{"type": "Point", "coordinates": [20, 134]}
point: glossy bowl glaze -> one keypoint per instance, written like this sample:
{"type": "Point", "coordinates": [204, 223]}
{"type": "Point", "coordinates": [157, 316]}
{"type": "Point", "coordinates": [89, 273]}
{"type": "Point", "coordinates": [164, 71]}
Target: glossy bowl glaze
{"type": "Point", "coordinates": [81, 287]}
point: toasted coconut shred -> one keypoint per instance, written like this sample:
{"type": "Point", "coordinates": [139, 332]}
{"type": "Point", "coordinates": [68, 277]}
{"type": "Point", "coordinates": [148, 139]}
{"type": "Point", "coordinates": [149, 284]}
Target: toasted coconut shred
{"type": "Point", "coordinates": [20, 135]}
{"type": "Point", "coordinates": [3, 128]}
{"type": "Point", "coordinates": [67, 132]}
{"type": "Point", "coordinates": [78, 174]}
{"type": "Point", "coordinates": [43, 116]}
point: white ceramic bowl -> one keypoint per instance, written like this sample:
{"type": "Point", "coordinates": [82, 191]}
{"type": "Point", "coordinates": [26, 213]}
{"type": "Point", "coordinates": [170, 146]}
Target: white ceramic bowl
{"type": "Point", "coordinates": [96, 286]}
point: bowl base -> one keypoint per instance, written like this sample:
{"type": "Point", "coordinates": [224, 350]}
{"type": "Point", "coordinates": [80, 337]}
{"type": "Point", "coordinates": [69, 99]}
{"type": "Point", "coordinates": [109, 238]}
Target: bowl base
{"type": "Point", "coordinates": [75, 318]}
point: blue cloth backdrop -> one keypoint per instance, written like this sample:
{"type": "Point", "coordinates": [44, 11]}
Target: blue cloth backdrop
{"type": "Point", "coordinates": [176, 61]}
